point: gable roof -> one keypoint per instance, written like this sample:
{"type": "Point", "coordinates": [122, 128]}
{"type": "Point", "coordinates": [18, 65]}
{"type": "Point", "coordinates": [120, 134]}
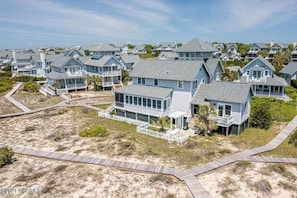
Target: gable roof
{"type": "Point", "coordinates": [100, 62]}
{"type": "Point", "coordinates": [103, 47]}
{"type": "Point", "coordinates": [130, 58]}
{"type": "Point", "coordinates": [167, 44]}
{"type": "Point", "coordinates": [62, 60]}
{"type": "Point", "coordinates": [261, 45]}
{"type": "Point", "coordinates": [222, 91]}
{"type": "Point", "coordinates": [229, 45]}
{"type": "Point", "coordinates": [184, 70]}
{"type": "Point", "coordinates": [146, 91]}
{"type": "Point", "coordinates": [212, 64]}
{"type": "Point", "coordinates": [291, 68]}
{"type": "Point", "coordinates": [268, 64]}
{"type": "Point", "coordinates": [196, 45]}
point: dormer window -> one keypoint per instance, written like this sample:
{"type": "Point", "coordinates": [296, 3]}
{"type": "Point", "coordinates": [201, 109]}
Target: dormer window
{"type": "Point", "coordinates": [266, 73]}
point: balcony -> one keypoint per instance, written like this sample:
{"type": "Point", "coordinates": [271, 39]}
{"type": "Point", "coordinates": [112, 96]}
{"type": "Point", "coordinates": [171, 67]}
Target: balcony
{"type": "Point", "coordinates": [224, 121]}
{"type": "Point", "coordinates": [77, 73]}
{"type": "Point", "coordinates": [111, 73]}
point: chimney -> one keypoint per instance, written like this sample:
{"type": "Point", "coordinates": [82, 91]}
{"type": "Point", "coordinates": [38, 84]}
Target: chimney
{"type": "Point", "coordinates": [271, 43]}
{"type": "Point", "coordinates": [295, 44]}
{"type": "Point", "coordinates": [42, 58]}
{"type": "Point", "coordinates": [13, 55]}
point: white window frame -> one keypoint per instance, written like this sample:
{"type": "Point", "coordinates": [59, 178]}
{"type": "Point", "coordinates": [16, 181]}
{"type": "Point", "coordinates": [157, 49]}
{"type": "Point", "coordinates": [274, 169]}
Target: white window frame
{"type": "Point", "coordinates": [247, 72]}
{"type": "Point", "coordinates": [180, 82]}
{"type": "Point", "coordinates": [266, 73]}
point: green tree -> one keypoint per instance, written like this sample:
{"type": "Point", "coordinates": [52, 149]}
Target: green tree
{"type": "Point", "coordinates": [280, 60]}
{"type": "Point", "coordinates": [260, 114]}
{"type": "Point", "coordinates": [203, 121]}
{"type": "Point", "coordinates": [95, 80]}
{"type": "Point", "coordinates": [56, 85]}
{"type": "Point", "coordinates": [229, 75]}
{"type": "Point", "coordinates": [125, 77]}
{"type": "Point", "coordinates": [6, 156]}
{"type": "Point", "coordinates": [162, 122]}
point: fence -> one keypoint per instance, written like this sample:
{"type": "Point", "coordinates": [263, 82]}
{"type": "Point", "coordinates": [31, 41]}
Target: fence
{"type": "Point", "coordinates": [142, 128]}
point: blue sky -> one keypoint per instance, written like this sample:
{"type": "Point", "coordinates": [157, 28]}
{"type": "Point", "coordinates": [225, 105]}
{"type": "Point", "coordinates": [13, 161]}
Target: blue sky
{"type": "Point", "coordinates": [36, 23]}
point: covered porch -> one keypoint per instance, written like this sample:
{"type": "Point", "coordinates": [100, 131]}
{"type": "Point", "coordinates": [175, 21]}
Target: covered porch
{"type": "Point", "coordinates": [276, 91]}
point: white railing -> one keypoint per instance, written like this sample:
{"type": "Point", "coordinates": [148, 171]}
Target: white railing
{"type": "Point", "coordinates": [77, 73]}
{"type": "Point", "coordinates": [142, 128]}
{"type": "Point", "coordinates": [223, 120]}
{"type": "Point", "coordinates": [111, 73]}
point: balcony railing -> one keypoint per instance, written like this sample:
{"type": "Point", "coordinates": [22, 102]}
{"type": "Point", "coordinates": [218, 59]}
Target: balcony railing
{"type": "Point", "coordinates": [111, 73]}
{"type": "Point", "coordinates": [224, 121]}
{"type": "Point", "coordinates": [77, 73]}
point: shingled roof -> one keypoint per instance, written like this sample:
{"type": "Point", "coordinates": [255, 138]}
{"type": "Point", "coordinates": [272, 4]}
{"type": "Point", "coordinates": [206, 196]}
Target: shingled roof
{"type": "Point", "coordinates": [231, 92]}
{"type": "Point", "coordinates": [184, 70]}
{"type": "Point", "coordinates": [196, 45]}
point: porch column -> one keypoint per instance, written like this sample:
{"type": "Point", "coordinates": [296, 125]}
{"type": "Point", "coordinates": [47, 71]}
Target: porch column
{"type": "Point", "coordinates": [65, 84]}
{"type": "Point", "coordinates": [227, 131]}
{"type": "Point", "coordinates": [238, 130]}
{"type": "Point", "coordinates": [171, 123]}
{"type": "Point", "coordinates": [269, 87]}
{"type": "Point", "coordinates": [75, 83]}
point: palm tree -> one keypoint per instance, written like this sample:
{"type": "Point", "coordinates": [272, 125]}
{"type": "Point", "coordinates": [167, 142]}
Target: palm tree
{"type": "Point", "coordinates": [56, 85]}
{"type": "Point", "coordinates": [162, 122]}
{"type": "Point", "coordinates": [203, 122]}
{"type": "Point", "coordinates": [95, 80]}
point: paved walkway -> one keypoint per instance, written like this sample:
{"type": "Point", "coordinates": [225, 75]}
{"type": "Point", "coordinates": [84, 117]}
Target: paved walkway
{"type": "Point", "coordinates": [188, 176]}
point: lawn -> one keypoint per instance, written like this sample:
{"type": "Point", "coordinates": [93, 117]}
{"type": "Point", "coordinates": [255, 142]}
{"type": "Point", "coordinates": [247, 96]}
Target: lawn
{"type": "Point", "coordinates": [254, 137]}
{"type": "Point", "coordinates": [283, 150]}
{"type": "Point", "coordinates": [102, 106]}
{"type": "Point", "coordinates": [35, 100]}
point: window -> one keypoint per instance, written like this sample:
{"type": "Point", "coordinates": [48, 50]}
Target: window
{"type": "Point", "coordinates": [119, 97]}
{"type": "Point", "coordinates": [65, 69]}
{"type": "Point", "coordinates": [180, 84]}
{"type": "Point", "coordinates": [135, 101]}
{"type": "Point", "coordinates": [139, 101]}
{"type": "Point", "coordinates": [156, 82]}
{"type": "Point", "coordinates": [154, 104]}
{"type": "Point", "coordinates": [144, 102]}
{"type": "Point", "coordinates": [149, 103]}
{"type": "Point", "coordinates": [127, 99]}
{"type": "Point", "coordinates": [165, 104]}
{"type": "Point", "coordinates": [187, 54]}
{"type": "Point", "coordinates": [266, 72]}
{"type": "Point", "coordinates": [257, 74]}
{"type": "Point", "coordinates": [247, 72]}
{"type": "Point", "coordinates": [141, 81]}
{"type": "Point", "coordinates": [228, 110]}
{"type": "Point", "coordinates": [130, 99]}
{"type": "Point", "coordinates": [159, 104]}
{"type": "Point", "coordinates": [195, 84]}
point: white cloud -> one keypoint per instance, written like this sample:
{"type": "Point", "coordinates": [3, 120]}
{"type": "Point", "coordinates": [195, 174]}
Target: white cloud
{"type": "Point", "coordinates": [244, 15]}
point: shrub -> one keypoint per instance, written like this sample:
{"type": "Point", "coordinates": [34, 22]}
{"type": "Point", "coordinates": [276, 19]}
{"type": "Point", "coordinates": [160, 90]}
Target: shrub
{"type": "Point", "coordinates": [260, 114]}
{"type": "Point", "coordinates": [6, 156]}
{"type": "Point", "coordinates": [163, 178]}
{"type": "Point", "coordinates": [29, 128]}
{"type": "Point", "coordinates": [126, 148]}
{"type": "Point", "coordinates": [5, 84]}
{"type": "Point", "coordinates": [294, 83]}
{"type": "Point", "coordinates": [293, 139]}
{"type": "Point", "coordinates": [263, 186]}
{"type": "Point", "coordinates": [96, 131]}
{"type": "Point", "coordinates": [28, 78]}
{"type": "Point", "coordinates": [291, 91]}
{"type": "Point", "coordinates": [31, 86]}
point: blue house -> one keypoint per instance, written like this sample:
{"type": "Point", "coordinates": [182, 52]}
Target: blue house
{"type": "Point", "coordinates": [289, 72]}
{"type": "Point", "coordinates": [294, 52]}
{"type": "Point", "coordinates": [108, 68]}
{"type": "Point", "coordinates": [259, 73]}
{"type": "Point", "coordinates": [68, 72]}
{"type": "Point", "coordinates": [232, 102]}
{"type": "Point", "coordinates": [254, 50]}
{"type": "Point", "coordinates": [161, 88]}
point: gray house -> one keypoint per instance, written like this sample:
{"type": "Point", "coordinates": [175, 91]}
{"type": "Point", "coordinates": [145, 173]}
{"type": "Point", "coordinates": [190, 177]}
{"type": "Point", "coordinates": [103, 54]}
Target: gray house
{"type": "Point", "coordinates": [294, 52]}
{"type": "Point", "coordinates": [232, 102]}
{"type": "Point", "coordinates": [108, 68]}
{"type": "Point", "coordinates": [231, 48]}
{"type": "Point", "coordinates": [254, 50]}
{"type": "Point", "coordinates": [259, 73]}
{"type": "Point", "coordinates": [289, 72]}
{"type": "Point", "coordinates": [215, 68]}
{"type": "Point", "coordinates": [275, 48]}
{"type": "Point", "coordinates": [104, 49]}
{"type": "Point", "coordinates": [68, 72]}
{"type": "Point", "coordinates": [195, 50]}
{"type": "Point", "coordinates": [161, 88]}
{"type": "Point", "coordinates": [128, 61]}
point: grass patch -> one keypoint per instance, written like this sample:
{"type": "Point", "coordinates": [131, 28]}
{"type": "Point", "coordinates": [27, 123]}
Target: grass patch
{"type": "Point", "coordinates": [96, 131]}
{"type": "Point", "coordinates": [279, 169]}
{"type": "Point", "coordinates": [263, 186]}
{"type": "Point", "coordinates": [102, 106]}
{"type": "Point", "coordinates": [126, 148]}
{"type": "Point", "coordinates": [228, 186]}
{"type": "Point", "coordinates": [35, 176]}
{"type": "Point", "coordinates": [241, 166]}
{"type": "Point", "coordinates": [253, 137]}
{"type": "Point", "coordinates": [29, 128]}
{"type": "Point", "coordinates": [60, 168]}
{"type": "Point", "coordinates": [225, 151]}
{"type": "Point", "coordinates": [283, 150]}
{"type": "Point", "coordinates": [287, 186]}
{"type": "Point", "coordinates": [61, 148]}
{"type": "Point", "coordinates": [163, 178]}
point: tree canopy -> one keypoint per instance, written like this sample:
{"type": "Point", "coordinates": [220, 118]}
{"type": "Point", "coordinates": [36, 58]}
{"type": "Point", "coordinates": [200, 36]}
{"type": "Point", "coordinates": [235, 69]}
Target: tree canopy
{"type": "Point", "coordinates": [95, 80]}
{"type": "Point", "coordinates": [203, 122]}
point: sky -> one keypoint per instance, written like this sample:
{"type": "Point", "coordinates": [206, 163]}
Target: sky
{"type": "Point", "coordinates": [60, 23]}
